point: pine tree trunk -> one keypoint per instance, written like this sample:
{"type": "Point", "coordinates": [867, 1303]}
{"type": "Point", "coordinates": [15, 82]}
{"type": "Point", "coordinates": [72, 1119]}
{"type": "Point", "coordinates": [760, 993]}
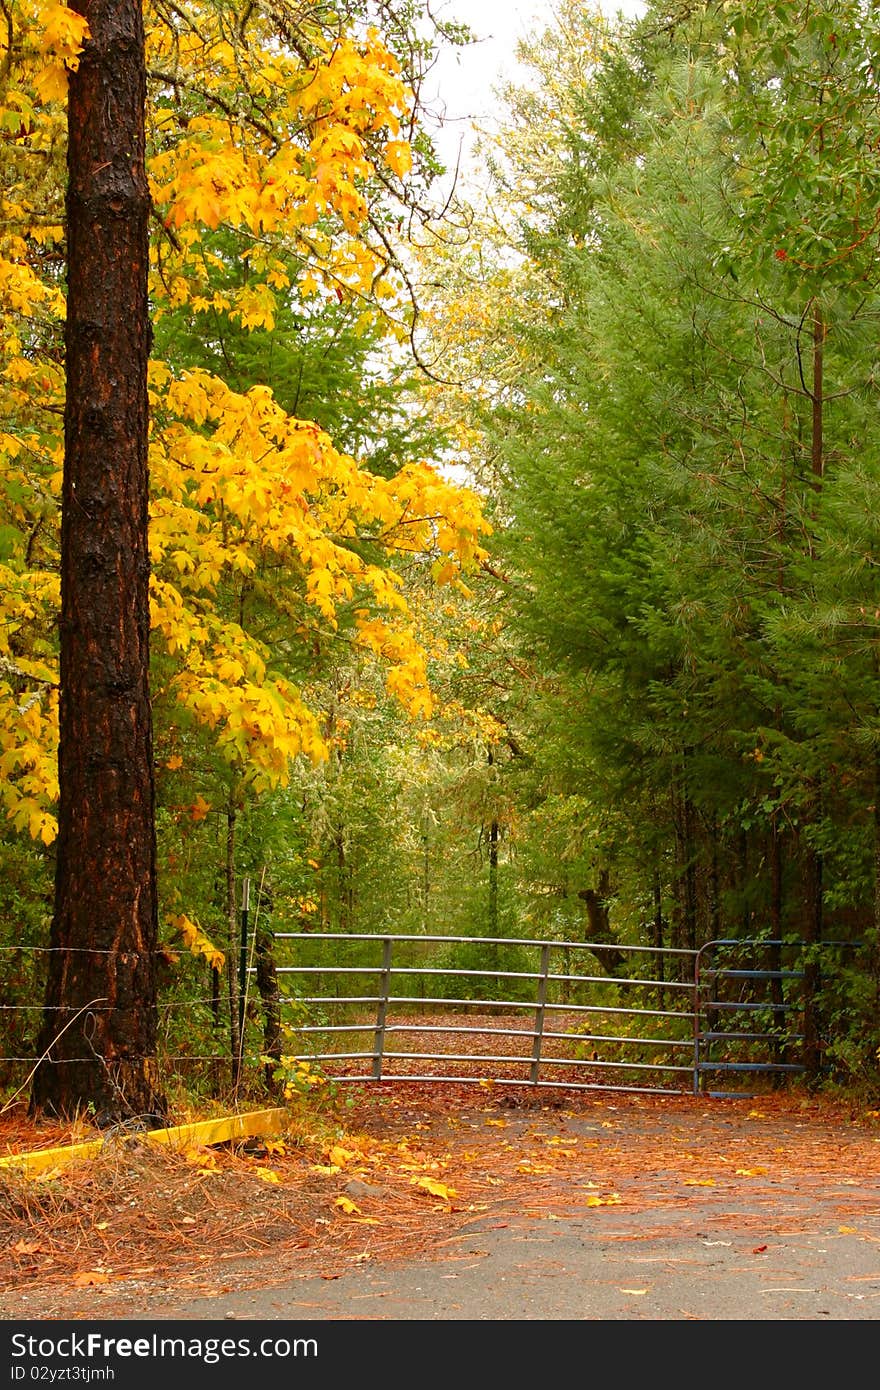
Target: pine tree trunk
{"type": "Point", "coordinates": [659, 942]}
{"type": "Point", "coordinates": [101, 988]}
{"type": "Point", "coordinates": [777, 918]}
{"type": "Point", "coordinates": [814, 916]}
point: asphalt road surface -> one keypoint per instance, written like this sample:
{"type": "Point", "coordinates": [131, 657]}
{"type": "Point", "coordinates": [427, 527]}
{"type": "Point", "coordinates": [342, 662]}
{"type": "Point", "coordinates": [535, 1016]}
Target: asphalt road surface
{"type": "Point", "coordinates": [725, 1213]}
{"type": "Point", "coordinates": [622, 1267]}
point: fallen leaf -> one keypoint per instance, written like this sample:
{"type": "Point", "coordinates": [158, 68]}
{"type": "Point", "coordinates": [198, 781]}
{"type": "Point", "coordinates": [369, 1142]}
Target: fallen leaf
{"type": "Point", "coordinates": [102, 1225]}
{"type": "Point", "coordinates": [268, 1175]}
{"type": "Point", "coordinates": [759, 1249]}
{"type": "Point", "coordinates": [499, 1124]}
{"type": "Point", "coordinates": [188, 1221]}
{"type": "Point", "coordinates": [90, 1277]}
{"type": "Point", "coordinates": [699, 1182]}
{"type": "Point", "coordinates": [750, 1172]}
{"type": "Point", "coordinates": [436, 1189]}
{"type": "Point", "coordinates": [347, 1205]}
{"type": "Point", "coordinates": [275, 1146]}
{"type": "Point", "coordinates": [756, 1115]}
{"type": "Point", "coordinates": [636, 1293]}
{"type": "Point", "coordinates": [206, 1160]}
{"type": "Point", "coordinates": [339, 1156]}
{"type": "Point", "coordinates": [26, 1247]}
{"type": "Point", "coordinates": [847, 1231]}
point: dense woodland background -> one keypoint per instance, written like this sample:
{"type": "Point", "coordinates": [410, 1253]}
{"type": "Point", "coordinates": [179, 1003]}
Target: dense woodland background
{"type": "Point", "coordinates": [645, 706]}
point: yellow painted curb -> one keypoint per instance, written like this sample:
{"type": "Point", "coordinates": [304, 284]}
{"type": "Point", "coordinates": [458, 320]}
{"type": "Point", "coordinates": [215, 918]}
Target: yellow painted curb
{"type": "Point", "coordinates": [251, 1125]}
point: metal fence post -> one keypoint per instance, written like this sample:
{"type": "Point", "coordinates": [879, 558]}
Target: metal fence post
{"type": "Point", "coordinates": [382, 1012]}
{"type": "Point", "coordinates": [541, 1004]}
{"type": "Point", "coordinates": [697, 1023]}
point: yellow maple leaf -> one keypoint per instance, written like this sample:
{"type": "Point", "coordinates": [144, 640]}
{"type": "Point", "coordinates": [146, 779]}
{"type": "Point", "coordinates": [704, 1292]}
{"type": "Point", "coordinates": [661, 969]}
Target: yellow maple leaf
{"type": "Point", "coordinates": [436, 1189]}
{"type": "Point", "coordinates": [347, 1205]}
{"type": "Point", "coordinates": [398, 156]}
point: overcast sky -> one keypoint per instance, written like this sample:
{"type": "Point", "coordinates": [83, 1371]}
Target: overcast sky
{"type": "Point", "coordinates": [463, 79]}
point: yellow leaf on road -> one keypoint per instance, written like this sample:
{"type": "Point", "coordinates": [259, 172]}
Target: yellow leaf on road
{"type": "Point", "coordinates": [436, 1189]}
{"type": "Point", "coordinates": [347, 1205]}
{"type": "Point", "coordinates": [699, 1182]}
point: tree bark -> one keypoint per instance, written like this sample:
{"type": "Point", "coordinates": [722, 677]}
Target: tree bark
{"type": "Point", "coordinates": [813, 933]}
{"type": "Point", "coordinates": [267, 984]}
{"type": "Point", "coordinates": [493, 955]}
{"type": "Point", "coordinates": [598, 906]}
{"type": "Point", "coordinates": [100, 1009]}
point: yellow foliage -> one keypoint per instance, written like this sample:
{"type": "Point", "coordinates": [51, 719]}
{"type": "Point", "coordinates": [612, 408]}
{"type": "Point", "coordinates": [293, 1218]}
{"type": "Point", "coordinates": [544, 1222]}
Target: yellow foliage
{"type": "Point", "coordinates": [278, 148]}
{"type": "Point", "coordinates": [197, 942]}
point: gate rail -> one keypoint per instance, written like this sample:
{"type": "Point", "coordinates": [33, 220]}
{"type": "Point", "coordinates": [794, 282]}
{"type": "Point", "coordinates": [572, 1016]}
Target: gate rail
{"type": "Point", "coordinates": [561, 1049]}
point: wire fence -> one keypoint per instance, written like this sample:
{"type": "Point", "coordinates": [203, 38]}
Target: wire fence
{"type": "Point", "coordinates": [514, 1011]}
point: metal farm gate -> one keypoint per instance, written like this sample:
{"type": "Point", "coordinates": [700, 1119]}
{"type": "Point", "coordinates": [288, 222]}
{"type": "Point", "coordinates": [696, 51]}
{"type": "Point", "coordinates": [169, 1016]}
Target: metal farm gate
{"type": "Point", "coordinates": [531, 1013]}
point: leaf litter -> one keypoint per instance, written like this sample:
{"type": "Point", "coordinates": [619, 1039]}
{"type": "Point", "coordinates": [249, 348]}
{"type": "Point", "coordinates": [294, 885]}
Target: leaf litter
{"type": "Point", "coordinates": [426, 1165]}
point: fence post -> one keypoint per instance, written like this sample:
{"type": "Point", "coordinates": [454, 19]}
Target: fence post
{"type": "Point", "coordinates": [697, 1023]}
{"type": "Point", "coordinates": [541, 1004]}
{"type": "Point", "coordinates": [382, 1012]}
